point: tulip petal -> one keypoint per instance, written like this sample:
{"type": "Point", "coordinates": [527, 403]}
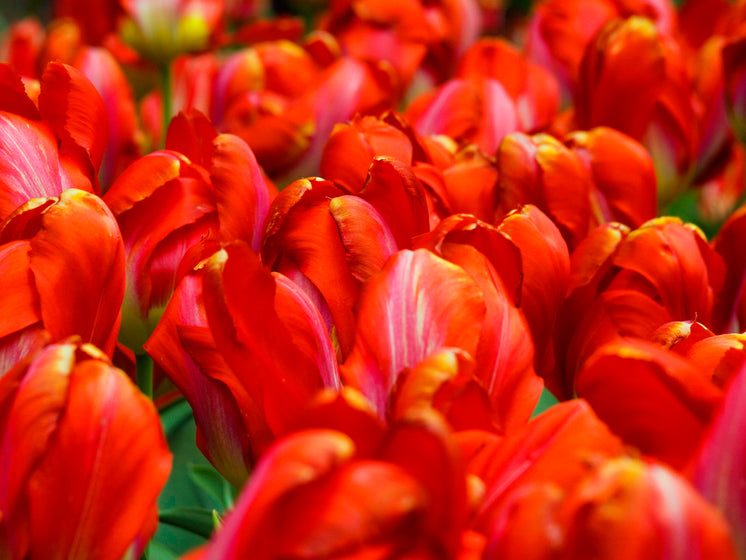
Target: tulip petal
{"type": "Point", "coordinates": [109, 435]}
{"type": "Point", "coordinates": [78, 263]}
{"type": "Point", "coordinates": [222, 431]}
{"type": "Point", "coordinates": [719, 468]}
{"type": "Point", "coordinates": [18, 297]}
{"type": "Point", "coordinates": [241, 193]}
{"type": "Point", "coordinates": [31, 404]}
{"type": "Point", "coordinates": [558, 447]}
{"type": "Point", "coordinates": [366, 237]}
{"type": "Point", "coordinates": [76, 112]}
{"type": "Point", "coordinates": [29, 163]}
{"type": "Point", "coordinates": [417, 305]}
{"type": "Point", "coordinates": [652, 398]}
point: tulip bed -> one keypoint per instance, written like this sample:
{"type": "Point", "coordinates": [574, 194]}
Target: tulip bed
{"type": "Point", "coordinates": [373, 279]}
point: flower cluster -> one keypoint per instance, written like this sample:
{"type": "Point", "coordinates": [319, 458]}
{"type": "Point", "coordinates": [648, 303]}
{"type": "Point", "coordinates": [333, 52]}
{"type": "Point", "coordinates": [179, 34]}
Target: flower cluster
{"type": "Point", "coordinates": [430, 279]}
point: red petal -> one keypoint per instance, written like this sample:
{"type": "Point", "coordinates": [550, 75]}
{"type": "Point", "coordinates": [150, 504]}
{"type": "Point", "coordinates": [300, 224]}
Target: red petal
{"type": "Point", "coordinates": [417, 305]}
{"type": "Point", "coordinates": [295, 461]}
{"type": "Point", "coordinates": [223, 433]}
{"type": "Point", "coordinates": [191, 133]}
{"type": "Point", "coordinates": [32, 401]}
{"type": "Point", "coordinates": [557, 446]}
{"type": "Point", "coordinates": [366, 237]}
{"type": "Point", "coordinates": [241, 192]}
{"type": "Point", "coordinates": [652, 398]}
{"type": "Point", "coordinates": [109, 435]}
{"type": "Point", "coordinates": [78, 263]}
{"type": "Point", "coordinates": [76, 112]}
{"type": "Point", "coordinates": [29, 163]}
{"type": "Point", "coordinates": [13, 96]}
{"type": "Point", "coordinates": [18, 296]}
{"type": "Point", "coordinates": [394, 190]}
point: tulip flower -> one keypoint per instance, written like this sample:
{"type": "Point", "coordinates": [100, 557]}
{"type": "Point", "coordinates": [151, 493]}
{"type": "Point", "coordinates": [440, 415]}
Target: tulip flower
{"type": "Point", "coordinates": [317, 494]}
{"type": "Point", "coordinates": [624, 508]}
{"type": "Point", "coordinates": [62, 262]}
{"type": "Point", "coordinates": [163, 31]}
{"type": "Point", "coordinates": [504, 360]}
{"type": "Point", "coordinates": [625, 188]}
{"type": "Point", "coordinates": [320, 237]}
{"type": "Point", "coordinates": [83, 458]}
{"type": "Point", "coordinates": [718, 468]}
{"type": "Point", "coordinates": [560, 31]}
{"type": "Point", "coordinates": [479, 112]}
{"type": "Point", "coordinates": [423, 303]}
{"type": "Point", "coordinates": [630, 283]}
{"type": "Point", "coordinates": [539, 170]}
{"type": "Point", "coordinates": [557, 447]}
{"type": "Point", "coordinates": [166, 202]}
{"type": "Point", "coordinates": [53, 147]}
{"type": "Point", "coordinates": [239, 339]}
{"type": "Point", "coordinates": [534, 90]}
{"type": "Point", "coordinates": [664, 114]}
{"type": "Point", "coordinates": [652, 398]}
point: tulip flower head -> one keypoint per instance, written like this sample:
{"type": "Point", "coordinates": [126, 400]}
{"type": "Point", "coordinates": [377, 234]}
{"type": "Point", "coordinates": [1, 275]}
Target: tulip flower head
{"type": "Point", "coordinates": [160, 31]}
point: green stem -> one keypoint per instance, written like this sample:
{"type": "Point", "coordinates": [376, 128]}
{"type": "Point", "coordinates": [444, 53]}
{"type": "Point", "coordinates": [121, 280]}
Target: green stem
{"type": "Point", "coordinates": [144, 365]}
{"type": "Point", "coordinates": [167, 94]}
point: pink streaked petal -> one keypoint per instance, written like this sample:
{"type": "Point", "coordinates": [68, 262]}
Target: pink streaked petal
{"type": "Point", "coordinates": [102, 69]}
{"type": "Point", "coordinates": [417, 305]}
{"type": "Point", "coordinates": [307, 328]}
{"type": "Point", "coordinates": [21, 344]}
{"type": "Point", "coordinates": [720, 464]}
{"type": "Point", "coordinates": [223, 436]}
{"type": "Point", "coordinates": [29, 163]}
{"type": "Point", "coordinates": [499, 117]}
{"type": "Point", "coordinates": [366, 237]}
{"type": "Point", "coordinates": [241, 193]}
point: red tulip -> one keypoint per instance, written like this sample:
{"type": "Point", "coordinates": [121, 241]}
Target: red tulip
{"type": "Point", "coordinates": [659, 89]}
{"type": "Point", "coordinates": [82, 458]}
{"type": "Point", "coordinates": [624, 508]}
{"type": "Point", "coordinates": [239, 339]}
{"type": "Point", "coordinates": [624, 184]}
{"type": "Point", "coordinates": [534, 90]}
{"type": "Point", "coordinates": [316, 494]}
{"type": "Point", "coordinates": [54, 147]}
{"type": "Point", "coordinates": [650, 397]}
{"type": "Point", "coordinates": [62, 262]}
{"type": "Point", "coordinates": [539, 170]}
{"type": "Point", "coordinates": [161, 33]}
{"type": "Point", "coordinates": [167, 201]}
{"type": "Point", "coordinates": [628, 284]}
{"type": "Point", "coordinates": [719, 467]}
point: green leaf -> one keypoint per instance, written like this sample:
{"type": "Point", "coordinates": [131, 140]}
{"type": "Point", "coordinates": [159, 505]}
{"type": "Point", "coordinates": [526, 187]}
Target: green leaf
{"type": "Point", "coordinates": [546, 401]}
{"type": "Point", "coordinates": [213, 484]}
{"type": "Point", "coordinates": [174, 416]}
{"type": "Point", "coordinates": [199, 521]}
